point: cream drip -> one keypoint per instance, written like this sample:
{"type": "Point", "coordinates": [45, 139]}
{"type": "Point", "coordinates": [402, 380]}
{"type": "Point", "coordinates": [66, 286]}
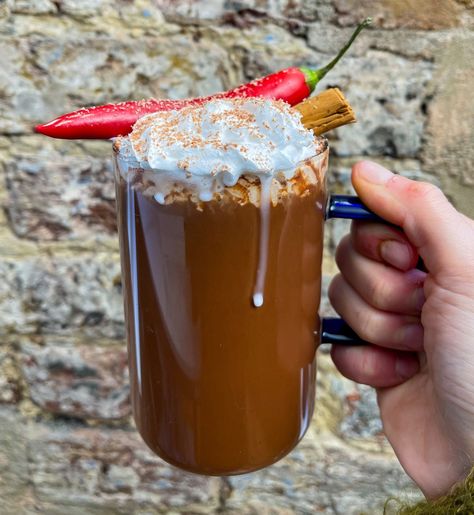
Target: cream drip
{"type": "Point", "coordinates": [265, 203]}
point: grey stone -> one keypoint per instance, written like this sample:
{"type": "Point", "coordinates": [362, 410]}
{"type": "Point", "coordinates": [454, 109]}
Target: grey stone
{"type": "Point", "coordinates": [189, 9]}
{"type": "Point", "coordinates": [204, 10]}
{"type": "Point", "coordinates": [104, 468]}
{"type": "Point", "coordinates": [84, 8]}
{"type": "Point", "coordinates": [13, 84]}
{"type": "Point", "coordinates": [43, 77]}
{"type": "Point", "coordinates": [78, 381]}
{"type": "Point", "coordinates": [361, 413]}
{"type": "Point", "coordinates": [387, 93]}
{"type": "Point", "coordinates": [34, 6]}
{"type": "Point", "coordinates": [266, 48]}
{"type": "Point", "coordinates": [62, 296]}
{"type": "Point", "coordinates": [413, 44]}
{"type": "Point", "coordinates": [329, 39]}
{"type": "Point", "coordinates": [58, 197]}
{"type": "Point", "coordinates": [312, 478]}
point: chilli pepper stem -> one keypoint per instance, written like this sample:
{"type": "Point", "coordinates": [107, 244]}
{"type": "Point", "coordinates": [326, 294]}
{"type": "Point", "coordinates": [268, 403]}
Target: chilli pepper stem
{"type": "Point", "coordinates": [314, 76]}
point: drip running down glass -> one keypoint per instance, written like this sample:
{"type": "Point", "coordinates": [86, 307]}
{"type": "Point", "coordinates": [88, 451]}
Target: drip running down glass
{"type": "Point", "coordinates": [221, 302]}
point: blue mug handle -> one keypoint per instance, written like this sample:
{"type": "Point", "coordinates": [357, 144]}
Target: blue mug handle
{"type": "Point", "coordinates": [335, 330]}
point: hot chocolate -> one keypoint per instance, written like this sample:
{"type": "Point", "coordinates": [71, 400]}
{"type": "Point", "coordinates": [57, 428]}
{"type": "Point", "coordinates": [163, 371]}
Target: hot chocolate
{"type": "Point", "coordinates": [222, 282]}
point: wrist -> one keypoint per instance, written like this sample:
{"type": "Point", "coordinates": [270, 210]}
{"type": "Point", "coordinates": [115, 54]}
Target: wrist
{"type": "Point", "coordinates": [446, 476]}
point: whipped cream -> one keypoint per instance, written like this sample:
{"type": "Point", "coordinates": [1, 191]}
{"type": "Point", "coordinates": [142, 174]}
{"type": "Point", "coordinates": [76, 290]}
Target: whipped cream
{"type": "Point", "coordinates": [223, 138]}
{"type": "Point", "coordinates": [205, 152]}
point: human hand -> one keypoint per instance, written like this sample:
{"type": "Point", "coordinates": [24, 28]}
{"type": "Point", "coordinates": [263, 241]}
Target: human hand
{"type": "Point", "coordinates": [421, 323]}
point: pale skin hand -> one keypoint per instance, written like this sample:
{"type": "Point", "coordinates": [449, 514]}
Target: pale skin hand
{"type": "Point", "coordinates": [421, 324]}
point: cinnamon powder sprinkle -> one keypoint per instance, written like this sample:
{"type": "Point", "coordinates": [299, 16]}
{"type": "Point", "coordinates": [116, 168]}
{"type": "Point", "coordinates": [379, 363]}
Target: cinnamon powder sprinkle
{"type": "Point", "coordinates": [163, 128]}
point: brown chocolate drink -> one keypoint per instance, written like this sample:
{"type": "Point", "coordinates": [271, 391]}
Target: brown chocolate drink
{"type": "Point", "coordinates": [222, 279]}
{"type": "Point", "coordinates": [218, 385]}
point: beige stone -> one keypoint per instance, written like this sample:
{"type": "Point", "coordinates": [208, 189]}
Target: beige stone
{"type": "Point", "coordinates": [449, 151]}
{"type": "Point", "coordinates": [413, 14]}
{"type": "Point", "coordinates": [14, 490]}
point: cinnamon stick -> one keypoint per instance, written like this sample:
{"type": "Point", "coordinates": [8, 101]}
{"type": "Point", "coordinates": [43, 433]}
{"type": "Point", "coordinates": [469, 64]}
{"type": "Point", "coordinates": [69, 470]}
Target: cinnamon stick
{"type": "Point", "coordinates": [326, 111]}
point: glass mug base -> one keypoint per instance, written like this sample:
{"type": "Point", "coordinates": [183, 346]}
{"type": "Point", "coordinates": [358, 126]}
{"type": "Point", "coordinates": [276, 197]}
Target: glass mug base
{"type": "Point", "coordinates": [236, 462]}
{"type": "Point", "coordinates": [221, 385]}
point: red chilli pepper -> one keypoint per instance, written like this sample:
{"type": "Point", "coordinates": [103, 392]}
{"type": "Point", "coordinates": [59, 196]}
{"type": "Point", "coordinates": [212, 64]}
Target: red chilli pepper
{"type": "Point", "coordinates": [108, 121]}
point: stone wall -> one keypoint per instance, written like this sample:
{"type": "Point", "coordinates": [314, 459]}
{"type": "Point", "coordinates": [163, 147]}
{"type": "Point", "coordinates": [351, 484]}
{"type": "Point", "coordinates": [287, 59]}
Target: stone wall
{"type": "Point", "coordinates": [67, 443]}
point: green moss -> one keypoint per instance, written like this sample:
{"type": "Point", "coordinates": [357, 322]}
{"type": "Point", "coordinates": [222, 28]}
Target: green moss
{"type": "Point", "coordinates": [460, 501]}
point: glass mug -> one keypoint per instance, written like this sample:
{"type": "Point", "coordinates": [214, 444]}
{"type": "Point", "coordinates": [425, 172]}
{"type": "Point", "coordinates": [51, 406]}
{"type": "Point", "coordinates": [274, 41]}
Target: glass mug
{"type": "Point", "coordinates": [219, 386]}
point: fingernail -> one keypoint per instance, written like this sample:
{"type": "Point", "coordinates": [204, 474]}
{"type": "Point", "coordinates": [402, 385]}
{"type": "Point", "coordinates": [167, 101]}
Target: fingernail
{"type": "Point", "coordinates": [410, 337]}
{"type": "Point", "coordinates": [396, 254]}
{"type": "Point", "coordinates": [406, 367]}
{"type": "Point", "coordinates": [374, 173]}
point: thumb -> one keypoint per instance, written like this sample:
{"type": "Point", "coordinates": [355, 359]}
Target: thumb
{"type": "Point", "coordinates": [443, 237]}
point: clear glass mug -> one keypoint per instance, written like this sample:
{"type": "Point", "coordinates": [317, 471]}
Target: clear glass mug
{"type": "Point", "coordinates": [219, 386]}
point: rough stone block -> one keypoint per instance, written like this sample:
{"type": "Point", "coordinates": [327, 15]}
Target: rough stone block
{"type": "Point", "coordinates": [412, 14]}
{"type": "Point", "coordinates": [205, 10]}
{"type": "Point", "coordinates": [5, 9]}
{"type": "Point", "coordinates": [345, 408]}
{"type": "Point", "coordinates": [10, 382]}
{"type": "Point", "coordinates": [266, 48]}
{"type": "Point", "coordinates": [14, 495]}
{"type": "Point", "coordinates": [186, 10]}
{"type": "Point", "coordinates": [388, 94]}
{"type": "Point", "coordinates": [55, 197]}
{"type": "Point", "coordinates": [449, 149]}
{"type": "Point", "coordinates": [19, 98]}
{"type": "Point", "coordinates": [43, 77]}
{"type": "Point", "coordinates": [360, 417]}
{"type": "Point", "coordinates": [414, 44]}
{"type": "Point", "coordinates": [84, 8]}
{"type": "Point", "coordinates": [34, 7]}
{"type": "Point", "coordinates": [62, 295]}
{"type": "Point", "coordinates": [312, 478]}
{"type": "Point", "coordinates": [112, 469]}
{"type": "Point", "coordinates": [79, 381]}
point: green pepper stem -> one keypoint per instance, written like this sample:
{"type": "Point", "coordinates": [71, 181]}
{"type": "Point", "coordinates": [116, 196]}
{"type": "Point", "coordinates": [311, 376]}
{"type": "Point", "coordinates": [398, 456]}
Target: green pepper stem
{"type": "Point", "coordinates": [314, 76]}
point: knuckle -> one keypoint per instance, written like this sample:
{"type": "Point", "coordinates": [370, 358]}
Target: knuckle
{"type": "Point", "coordinates": [368, 367]}
{"type": "Point", "coordinates": [334, 287]}
{"type": "Point", "coordinates": [378, 292]}
{"type": "Point", "coordinates": [425, 190]}
{"type": "Point", "coordinates": [342, 251]}
{"type": "Point", "coordinates": [359, 231]}
{"type": "Point", "coordinates": [367, 326]}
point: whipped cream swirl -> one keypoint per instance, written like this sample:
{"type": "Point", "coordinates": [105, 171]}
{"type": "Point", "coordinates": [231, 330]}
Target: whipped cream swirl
{"type": "Point", "coordinates": [223, 138]}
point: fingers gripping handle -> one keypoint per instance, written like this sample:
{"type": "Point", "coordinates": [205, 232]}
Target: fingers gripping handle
{"type": "Point", "coordinates": [335, 330]}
